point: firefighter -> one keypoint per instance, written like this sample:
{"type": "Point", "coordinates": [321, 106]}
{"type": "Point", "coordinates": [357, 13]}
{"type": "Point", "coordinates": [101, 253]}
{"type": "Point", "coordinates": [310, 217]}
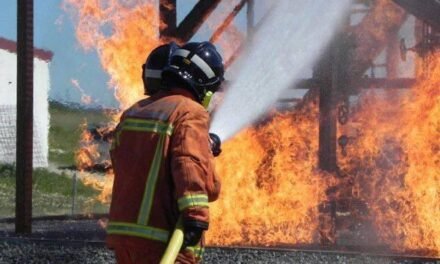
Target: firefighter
{"type": "Point", "coordinates": [162, 158]}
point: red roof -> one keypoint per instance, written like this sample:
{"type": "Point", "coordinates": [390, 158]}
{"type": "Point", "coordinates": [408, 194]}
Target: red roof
{"type": "Point", "coordinates": [11, 46]}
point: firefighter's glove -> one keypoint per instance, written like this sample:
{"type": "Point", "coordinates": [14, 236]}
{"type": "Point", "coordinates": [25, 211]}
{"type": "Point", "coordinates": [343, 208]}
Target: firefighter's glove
{"type": "Point", "coordinates": [193, 231]}
{"type": "Point", "coordinates": [215, 143]}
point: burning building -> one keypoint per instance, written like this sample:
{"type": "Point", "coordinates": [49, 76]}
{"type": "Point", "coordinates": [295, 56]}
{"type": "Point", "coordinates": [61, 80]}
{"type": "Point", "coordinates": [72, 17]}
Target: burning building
{"type": "Point", "coordinates": [355, 164]}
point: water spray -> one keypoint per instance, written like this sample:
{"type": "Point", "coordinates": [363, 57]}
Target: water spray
{"type": "Point", "coordinates": [287, 44]}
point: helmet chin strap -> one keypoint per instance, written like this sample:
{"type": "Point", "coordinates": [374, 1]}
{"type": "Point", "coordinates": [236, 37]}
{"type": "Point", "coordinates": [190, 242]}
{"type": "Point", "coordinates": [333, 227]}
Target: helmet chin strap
{"type": "Point", "coordinates": [207, 99]}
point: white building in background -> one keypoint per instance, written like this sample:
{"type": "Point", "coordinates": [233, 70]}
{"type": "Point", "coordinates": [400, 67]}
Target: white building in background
{"type": "Point", "coordinates": [8, 103]}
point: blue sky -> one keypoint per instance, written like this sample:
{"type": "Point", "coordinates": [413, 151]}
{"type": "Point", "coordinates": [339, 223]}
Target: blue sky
{"type": "Point", "coordinates": [70, 61]}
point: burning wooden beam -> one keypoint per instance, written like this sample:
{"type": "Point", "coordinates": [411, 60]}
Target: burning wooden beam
{"type": "Point", "coordinates": [373, 33]}
{"type": "Point", "coordinates": [327, 74]}
{"type": "Point", "coordinates": [167, 9]}
{"type": "Point", "coordinates": [331, 78]}
{"type": "Point", "coordinates": [364, 83]}
{"type": "Point", "coordinates": [215, 36]}
{"type": "Point", "coordinates": [289, 100]}
{"type": "Point", "coordinates": [400, 83]}
{"type": "Point", "coordinates": [427, 10]}
{"type": "Point", "coordinates": [254, 29]}
{"type": "Point", "coordinates": [371, 36]}
{"type": "Point", "coordinates": [192, 22]}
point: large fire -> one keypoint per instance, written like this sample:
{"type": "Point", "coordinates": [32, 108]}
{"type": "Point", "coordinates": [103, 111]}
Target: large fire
{"type": "Point", "coordinates": [122, 33]}
{"type": "Point", "coordinates": [395, 162]}
{"type": "Point", "coordinates": [272, 187]}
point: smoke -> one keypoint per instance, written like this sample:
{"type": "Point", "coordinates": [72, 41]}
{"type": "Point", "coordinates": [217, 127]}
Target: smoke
{"type": "Point", "coordinates": [286, 45]}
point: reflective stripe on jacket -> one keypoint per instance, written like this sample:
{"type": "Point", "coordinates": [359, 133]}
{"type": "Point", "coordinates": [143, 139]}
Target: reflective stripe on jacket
{"type": "Point", "coordinates": [163, 167]}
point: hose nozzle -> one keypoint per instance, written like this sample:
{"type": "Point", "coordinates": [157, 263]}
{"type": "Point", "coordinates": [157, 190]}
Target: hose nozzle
{"type": "Point", "coordinates": [216, 143]}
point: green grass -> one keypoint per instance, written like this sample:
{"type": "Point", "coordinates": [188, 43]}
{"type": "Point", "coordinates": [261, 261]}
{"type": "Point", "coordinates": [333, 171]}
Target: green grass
{"type": "Point", "coordinates": [51, 194]}
{"type": "Point", "coordinates": [65, 132]}
{"type": "Point", "coordinates": [49, 182]}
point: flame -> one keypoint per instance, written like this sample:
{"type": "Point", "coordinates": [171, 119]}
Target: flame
{"type": "Point", "coordinates": [85, 99]}
{"type": "Point", "coordinates": [88, 153]}
{"type": "Point", "coordinates": [104, 184]}
{"type": "Point", "coordinates": [395, 162]}
{"type": "Point", "coordinates": [123, 33]}
{"type": "Point", "coordinates": [271, 188]}
{"type": "Point", "coordinates": [86, 157]}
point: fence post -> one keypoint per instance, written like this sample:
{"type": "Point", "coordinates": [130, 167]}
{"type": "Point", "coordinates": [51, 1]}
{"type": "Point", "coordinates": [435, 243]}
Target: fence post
{"type": "Point", "coordinates": [74, 191]}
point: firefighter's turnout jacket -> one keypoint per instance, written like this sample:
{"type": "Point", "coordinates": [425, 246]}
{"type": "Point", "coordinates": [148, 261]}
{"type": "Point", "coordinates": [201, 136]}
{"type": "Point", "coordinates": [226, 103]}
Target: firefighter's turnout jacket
{"type": "Point", "coordinates": [163, 168]}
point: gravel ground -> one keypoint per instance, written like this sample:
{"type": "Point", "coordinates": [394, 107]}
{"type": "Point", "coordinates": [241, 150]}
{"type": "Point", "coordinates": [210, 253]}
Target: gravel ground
{"type": "Point", "coordinates": [266, 256]}
{"type": "Point", "coordinates": [81, 241]}
{"type": "Point", "coordinates": [42, 253]}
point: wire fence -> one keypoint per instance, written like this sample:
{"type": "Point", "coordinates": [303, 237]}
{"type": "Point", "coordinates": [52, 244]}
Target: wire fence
{"type": "Point", "coordinates": [8, 129]}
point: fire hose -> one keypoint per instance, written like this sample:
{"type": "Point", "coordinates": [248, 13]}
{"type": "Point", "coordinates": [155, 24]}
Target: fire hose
{"type": "Point", "coordinates": [173, 248]}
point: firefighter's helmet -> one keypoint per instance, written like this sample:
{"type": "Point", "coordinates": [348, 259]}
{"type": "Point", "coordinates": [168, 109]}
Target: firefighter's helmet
{"type": "Point", "coordinates": [153, 66]}
{"type": "Point", "coordinates": [197, 65]}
